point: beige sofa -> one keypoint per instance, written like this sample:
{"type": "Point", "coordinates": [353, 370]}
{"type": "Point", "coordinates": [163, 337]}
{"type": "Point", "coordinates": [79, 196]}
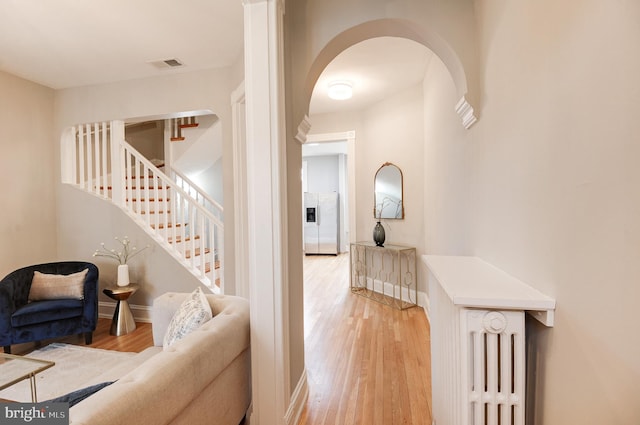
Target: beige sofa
{"type": "Point", "coordinates": [204, 378]}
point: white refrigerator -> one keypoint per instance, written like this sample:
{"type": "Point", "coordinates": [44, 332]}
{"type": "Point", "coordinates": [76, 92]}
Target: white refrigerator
{"type": "Point", "coordinates": [321, 223]}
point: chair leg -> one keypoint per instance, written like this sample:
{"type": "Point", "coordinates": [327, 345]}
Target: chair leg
{"type": "Point", "coordinates": [88, 337]}
{"type": "Point", "coordinates": [7, 349]}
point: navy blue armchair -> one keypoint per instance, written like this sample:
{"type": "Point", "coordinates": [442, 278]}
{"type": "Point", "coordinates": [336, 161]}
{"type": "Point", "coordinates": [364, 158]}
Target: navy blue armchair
{"type": "Point", "coordinates": [22, 320]}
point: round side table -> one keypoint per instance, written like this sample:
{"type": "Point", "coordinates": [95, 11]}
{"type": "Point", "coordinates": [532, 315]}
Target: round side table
{"type": "Point", "coordinates": [122, 322]}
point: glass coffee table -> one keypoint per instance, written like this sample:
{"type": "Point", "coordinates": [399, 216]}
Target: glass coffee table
{"type": "Point", "coordinates": [14, 369]}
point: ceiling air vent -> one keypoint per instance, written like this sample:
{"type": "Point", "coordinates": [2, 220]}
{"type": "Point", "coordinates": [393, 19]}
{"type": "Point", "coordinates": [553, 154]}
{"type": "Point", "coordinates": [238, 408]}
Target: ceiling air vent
{"type": "Point", "coordinates": [167, 63]}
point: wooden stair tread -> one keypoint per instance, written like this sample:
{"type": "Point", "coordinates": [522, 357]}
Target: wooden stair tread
{"type": "Point", "coordinates": [148, 187]}
{"type": "Point", "coordinates": [161, 225]}
{"type": "Point", "coordinates": [207, 266]}
{"type": "Point", "coordinates": [187, 253]}
{"type": "Point", "coordinates": [136, 187]}
{"type": "Point", "coordinates": [179, 239]}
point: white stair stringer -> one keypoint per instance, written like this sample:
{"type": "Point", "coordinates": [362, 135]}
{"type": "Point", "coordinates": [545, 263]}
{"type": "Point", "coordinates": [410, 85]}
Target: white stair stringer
{"type": "Point", "coordinates": [97, 160]}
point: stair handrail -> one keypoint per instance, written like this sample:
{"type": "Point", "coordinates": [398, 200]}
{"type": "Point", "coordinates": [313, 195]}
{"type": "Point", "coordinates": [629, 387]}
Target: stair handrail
{"type": "Point", "coordinates": [196, 192]}
{"type": "Point", "coordinates": [100, 161]}
{"type": "Point", "coordinates": [148, 164]}
{"type": "Point", "coordinates": [206, 221]}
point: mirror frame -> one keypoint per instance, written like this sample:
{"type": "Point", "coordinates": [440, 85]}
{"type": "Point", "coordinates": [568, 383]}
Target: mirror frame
{"type": "Point", "coordinates": [375, 204]}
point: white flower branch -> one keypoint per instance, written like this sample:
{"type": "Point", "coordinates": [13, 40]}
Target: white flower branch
{"type": "Point", "coordinates": [121, 256]}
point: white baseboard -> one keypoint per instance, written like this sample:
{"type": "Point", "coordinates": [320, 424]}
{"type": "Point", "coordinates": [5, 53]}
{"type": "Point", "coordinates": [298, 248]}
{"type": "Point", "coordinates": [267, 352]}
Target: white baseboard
{"type": "Point", "coordinates": [423, 300]}
{"type": "Point", "coordinates": [142, 313]}
{"type": "Point", "coordinates": [388, 289]}
{"type": "Point", "coordinates": [298, 401]}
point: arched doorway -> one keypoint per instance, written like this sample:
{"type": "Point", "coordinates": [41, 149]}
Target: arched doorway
{"type": "Point", "coordinates": [399, 28]}
{"type": "Point", "coordinates": [388, 72]}
{"type": "Point", "coordinates": [274, 184]}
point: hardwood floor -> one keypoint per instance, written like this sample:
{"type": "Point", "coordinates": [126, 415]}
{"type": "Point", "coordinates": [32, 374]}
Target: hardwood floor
{"type": "Point", "coordinates": [135, 342]}
{"type": "Point", "coordinates": [366, 363]}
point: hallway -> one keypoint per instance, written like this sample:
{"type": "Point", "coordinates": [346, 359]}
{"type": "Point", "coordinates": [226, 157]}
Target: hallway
{"type": "Point", "coordinates": [366, 363]}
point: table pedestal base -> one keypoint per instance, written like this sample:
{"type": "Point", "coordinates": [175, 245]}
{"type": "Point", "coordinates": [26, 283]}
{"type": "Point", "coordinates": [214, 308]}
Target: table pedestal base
{"type": "Point", "coordinates": [123, 321]}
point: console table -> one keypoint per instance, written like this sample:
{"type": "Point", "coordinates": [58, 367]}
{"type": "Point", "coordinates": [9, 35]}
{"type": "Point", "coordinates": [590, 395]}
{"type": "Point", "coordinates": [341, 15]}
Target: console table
{"type": "Point", "coordinates": [385, 274]}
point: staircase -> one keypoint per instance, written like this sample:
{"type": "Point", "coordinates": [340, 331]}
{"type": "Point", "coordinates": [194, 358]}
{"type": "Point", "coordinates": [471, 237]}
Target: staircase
{"type": "Point", "coordinates": [177, 124]}
{"type": "Point", "coordinates": [172, 210]}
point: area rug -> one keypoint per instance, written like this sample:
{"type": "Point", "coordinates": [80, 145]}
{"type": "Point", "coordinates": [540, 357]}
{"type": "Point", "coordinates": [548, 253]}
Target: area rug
{"type": "Point", "coordinates": [75, 366]}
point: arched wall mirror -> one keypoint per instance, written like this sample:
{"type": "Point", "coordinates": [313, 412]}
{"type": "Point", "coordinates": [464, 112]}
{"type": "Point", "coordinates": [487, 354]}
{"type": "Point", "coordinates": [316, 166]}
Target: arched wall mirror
{"type": "Point", "coordinates": [388, 192]}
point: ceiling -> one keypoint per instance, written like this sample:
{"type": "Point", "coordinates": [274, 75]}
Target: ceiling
{"type": "Point", "coordinates": [377, 68]}
{"type": "Point", "coordinates": [70, 43]}
{"type": "Point", "coordinates": [67, 43]}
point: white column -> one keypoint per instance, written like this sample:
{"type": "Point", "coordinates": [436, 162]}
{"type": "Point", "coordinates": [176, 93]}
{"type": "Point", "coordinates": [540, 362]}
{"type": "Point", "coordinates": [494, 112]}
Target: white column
{"type": "Point", "coordinates": [266, 209]}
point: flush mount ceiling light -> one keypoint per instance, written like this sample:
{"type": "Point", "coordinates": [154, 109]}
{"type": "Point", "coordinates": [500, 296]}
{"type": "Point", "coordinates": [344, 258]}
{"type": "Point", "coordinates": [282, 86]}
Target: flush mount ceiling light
{"type": "Point", "coordinates": [340, 90]}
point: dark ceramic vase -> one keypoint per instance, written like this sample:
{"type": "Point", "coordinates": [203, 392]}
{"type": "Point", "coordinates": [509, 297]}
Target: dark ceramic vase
{"type": "Point", "coordinates": [378, 234]}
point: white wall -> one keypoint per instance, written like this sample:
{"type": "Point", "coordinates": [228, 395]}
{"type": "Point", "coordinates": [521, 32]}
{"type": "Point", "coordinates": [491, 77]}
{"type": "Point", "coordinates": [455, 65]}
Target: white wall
{"type": "Point", "coordinates": [211, 181]}
{"type": "Point", "coordinates": [27, 144]}
{"type": "Point", "coordinates": [544, 185]}
{"type": "Point", "coordinates": [201, 147]}
{"type": "Point", "coordinates": [391, 130]}
{"type": "Point", "coordinates": [147, 138]}
{"type": "Point", "coordinates": [199, 156]}
{"type": "Point", "coordinates": [447, 167]}
{"type": "Point", "coordinates": [555, 196]}
{"type": "Point", "coordinates": [83, 222]}
{"type": "Point", "coordinates": [322, 173]}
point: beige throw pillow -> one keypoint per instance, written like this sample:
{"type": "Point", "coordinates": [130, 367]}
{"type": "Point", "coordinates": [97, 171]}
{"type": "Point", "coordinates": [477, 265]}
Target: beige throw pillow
{"type": "Point", "coordinates": [192, 313]}
{"type": "Point", "coordinates": [57, 286]}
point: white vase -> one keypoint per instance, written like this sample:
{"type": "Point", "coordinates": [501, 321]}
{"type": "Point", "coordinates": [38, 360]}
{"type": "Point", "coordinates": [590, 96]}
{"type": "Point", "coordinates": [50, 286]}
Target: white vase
{"type": "Point", "coordinates": [123, 275]}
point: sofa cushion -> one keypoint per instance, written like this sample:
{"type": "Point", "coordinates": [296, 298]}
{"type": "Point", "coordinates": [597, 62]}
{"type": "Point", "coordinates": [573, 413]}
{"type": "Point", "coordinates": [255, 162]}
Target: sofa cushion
{"type": "Point", "coordinates": [203, 378]}
{"type": "Point", "coordinates": [46, 311]}
{"type": "Point", "coordinates": [191, 314]}
{"type": "Point", "coordinates": [57, 286]}
{"type": "Point", "coordinates": [123, 367]}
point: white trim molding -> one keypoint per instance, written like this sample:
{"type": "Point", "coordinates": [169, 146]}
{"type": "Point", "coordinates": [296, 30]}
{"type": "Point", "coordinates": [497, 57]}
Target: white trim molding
{"type": "Point", "coordinates": [298, 400]}
{"type": "Point", "coordinates": [266, 210]}
{"type": "Point", "coordinates": [303, 130]}
{"type": "Point", "coordinates": [348, 136]}
{"type": "Point", "coordinates": [423, 301]}
{"type": "Point", "coordinates": [141, 313]}
{"type": "Point", "coordinates": [239, 125]}
{"type": "Point", "coordinates": [465, 110]}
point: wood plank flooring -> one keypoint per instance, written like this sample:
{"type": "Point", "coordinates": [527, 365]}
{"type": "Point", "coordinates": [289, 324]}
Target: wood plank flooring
{"type": "Point", "coordinates": [366, 363]}
{"type": "Point", "coordinates": [134, 342]}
